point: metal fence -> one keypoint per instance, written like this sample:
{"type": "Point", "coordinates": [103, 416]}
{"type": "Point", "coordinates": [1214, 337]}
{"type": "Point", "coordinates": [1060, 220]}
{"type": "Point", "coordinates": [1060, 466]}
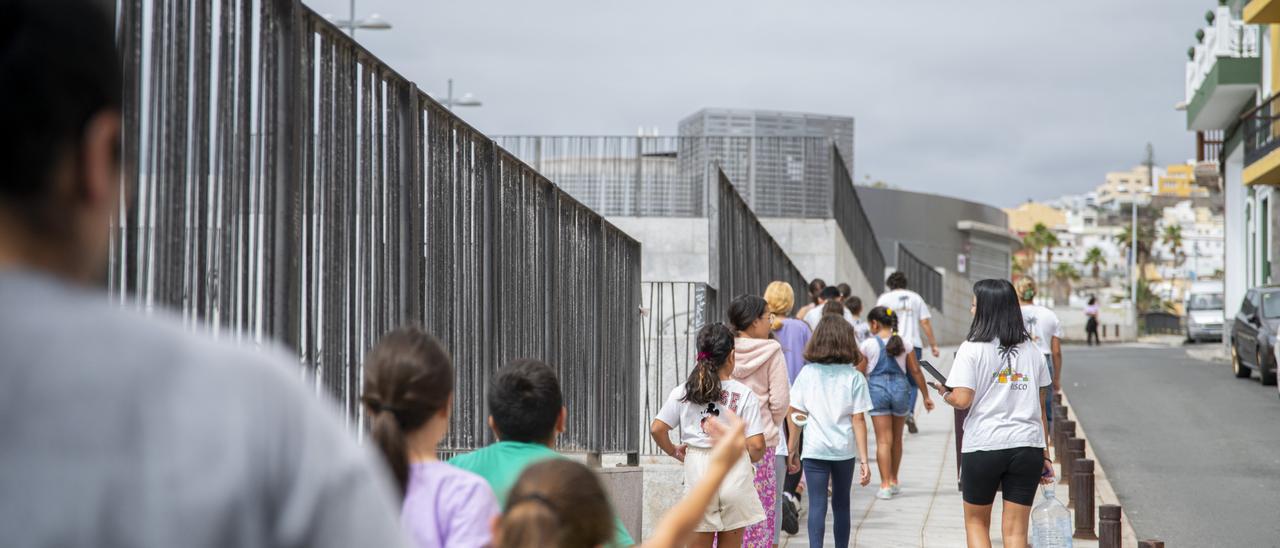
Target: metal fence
{"type": "Point", "coordinates": [288, 186]}
{"type": "Point", "coordinates": [666, 176]}
{"type": "Point", "coordinates": [744, 257]}
{"type": "Point", "coordinates": [673, 313]}
{"type": "Point", "coordinates": [854, 224]}
{"type": "Point", "coordinates": [922, 277]}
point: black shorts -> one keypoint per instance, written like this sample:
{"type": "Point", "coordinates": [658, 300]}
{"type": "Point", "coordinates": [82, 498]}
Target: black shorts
{"type": "Point", "coordinates": [1016, 472]}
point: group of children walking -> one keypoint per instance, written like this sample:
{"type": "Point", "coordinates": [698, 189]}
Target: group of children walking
{"type": "Point", "coordinates": [769, 401]}
{"type": "Point", "coordinates": [803, 389]}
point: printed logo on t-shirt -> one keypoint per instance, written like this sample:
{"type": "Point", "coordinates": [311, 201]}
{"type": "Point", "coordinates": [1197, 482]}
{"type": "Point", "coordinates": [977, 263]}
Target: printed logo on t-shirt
{"type": "Point", "coordinates": [1031, 322]}
{"type": "Point", "coordinates": [1007, 375]}
{"type": "Point", "coordinates": [712, 410]}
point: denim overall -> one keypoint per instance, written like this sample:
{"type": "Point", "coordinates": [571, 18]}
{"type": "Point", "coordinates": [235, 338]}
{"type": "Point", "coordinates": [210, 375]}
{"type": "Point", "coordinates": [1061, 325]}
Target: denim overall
{"type": "Point", "coordinates": [890, 391]}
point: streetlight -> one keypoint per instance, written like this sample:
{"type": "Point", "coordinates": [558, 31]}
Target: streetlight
{"type": "Point", "coordinates": [467, 99]}
{"type": "Point", "coordinates": [373, 22]}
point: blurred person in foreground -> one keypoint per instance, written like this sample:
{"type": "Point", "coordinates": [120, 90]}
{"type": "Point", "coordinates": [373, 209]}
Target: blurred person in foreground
{"type": "Point", "coordinates": [121, 429]}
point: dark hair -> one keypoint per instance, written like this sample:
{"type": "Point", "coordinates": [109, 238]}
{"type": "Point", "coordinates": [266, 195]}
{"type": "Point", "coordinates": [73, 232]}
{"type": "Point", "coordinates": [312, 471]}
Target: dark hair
{"type": "Point", "coordinates": [408, 377]}
{"type": "Point", "coordinates": [556, 502]}
{"type": "Point", "coordinates": [58, 68]}
{"type": "Point", "coordinates": [833, 307]}
{"type": "Point", "coordinates": [897, 280]}
{"type": "Point", "coordinates": [829, 293]}
{"type": "Point", "coordinates": [815, 287]}
{"type": "Point", "coordinates": [886, 317]}
{"type": "Point", "coordinates": [834, 341]}
{"type": "Point", "coordinates": [525, 401]}
{"type": "Point", "coordinates": [744, 310]}
{"type": "Point", "coordinates": [998, 315]}
{"type": "Point", "coordinates": [715, 344]}
{"type": "Point", "coordinates": [854, 304]}
{"type": "Point", "coordinates": [1093, 299]}
{"type": "Point", "coordinates": [845, 290]}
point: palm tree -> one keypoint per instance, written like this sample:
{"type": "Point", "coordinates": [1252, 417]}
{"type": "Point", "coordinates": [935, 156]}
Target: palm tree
{"type": "Point", "coordinates": [1095, 260]}
{"type": "Point", "coordinates": [1042, 239]}
{"type": "Point", "coordinates": [1146, 237]}
{"type": "Point", "coordinates": [1063, 275]}
{"type": "Point", "coordinates": [1172, 237]}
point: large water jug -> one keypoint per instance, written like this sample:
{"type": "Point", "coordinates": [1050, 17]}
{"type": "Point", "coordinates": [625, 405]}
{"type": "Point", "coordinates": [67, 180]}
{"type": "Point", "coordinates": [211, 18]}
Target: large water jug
{"type": "Point", "coordinates": [1050, 523]}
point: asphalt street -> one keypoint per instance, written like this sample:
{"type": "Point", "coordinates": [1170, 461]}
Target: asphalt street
{"type": "Point", "coordinates": [1192, 452]}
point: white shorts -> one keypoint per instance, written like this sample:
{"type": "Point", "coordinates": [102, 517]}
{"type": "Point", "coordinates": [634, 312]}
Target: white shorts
{"type": "Point", "coordinates": [736, 504]}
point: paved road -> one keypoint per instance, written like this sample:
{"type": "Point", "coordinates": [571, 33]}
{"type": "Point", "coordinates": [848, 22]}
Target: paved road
{"type": "Point", "coordinates": [1193, 453]}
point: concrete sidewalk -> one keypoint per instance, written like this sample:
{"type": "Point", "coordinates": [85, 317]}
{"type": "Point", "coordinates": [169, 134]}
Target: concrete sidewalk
{"type": "Point", "coordinates": [929, 512]}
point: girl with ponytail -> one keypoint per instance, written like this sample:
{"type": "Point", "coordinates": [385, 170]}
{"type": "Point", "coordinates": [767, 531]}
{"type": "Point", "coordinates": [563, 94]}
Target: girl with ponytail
{"type": "Point", "coordinates": [408, 391]}
{"type": "Point", "coordinates": [696, 411]}
{"type": "Point", "coordinates": [892, 360]}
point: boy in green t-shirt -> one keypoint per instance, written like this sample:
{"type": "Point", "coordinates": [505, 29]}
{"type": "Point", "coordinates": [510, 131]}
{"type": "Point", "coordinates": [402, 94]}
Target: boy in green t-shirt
{"type": "Point", "coordinates": [526, 413]}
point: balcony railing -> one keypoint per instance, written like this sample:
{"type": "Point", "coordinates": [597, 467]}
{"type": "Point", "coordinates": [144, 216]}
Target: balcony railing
{"type": "Point", "coordinates": [1261, 130]}
{"type": "Point", "coordinates": [1226, 37]}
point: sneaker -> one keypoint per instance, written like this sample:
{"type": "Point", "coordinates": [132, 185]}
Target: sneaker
{"type": "Point", "coordinates": [895, 489]}
{"type": "Point", "coordinates": [790, 516]}
{"type": "Point", "coordinates": [884, 494]}
{"type": "Point", "coordinates": [911, 424]}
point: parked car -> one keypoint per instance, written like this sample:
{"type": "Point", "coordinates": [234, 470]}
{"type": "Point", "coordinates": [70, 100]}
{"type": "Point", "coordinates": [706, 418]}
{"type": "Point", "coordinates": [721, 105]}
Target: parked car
{"type": "Point", "coordinates": [1204, 311]}
{"type": "Point", "coordinates": [1253, 334]}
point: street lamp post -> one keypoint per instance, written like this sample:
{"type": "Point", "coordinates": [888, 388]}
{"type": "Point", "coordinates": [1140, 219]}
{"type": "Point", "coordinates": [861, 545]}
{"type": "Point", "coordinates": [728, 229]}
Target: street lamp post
{"type": "Point", "coordinates": [467, 99]}
{"type": "Point", "coordinates": [372, 22]}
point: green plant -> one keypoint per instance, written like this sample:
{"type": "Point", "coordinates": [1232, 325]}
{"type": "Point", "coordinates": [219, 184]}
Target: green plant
{"type": "Point", "coordinates": [1095, 260]}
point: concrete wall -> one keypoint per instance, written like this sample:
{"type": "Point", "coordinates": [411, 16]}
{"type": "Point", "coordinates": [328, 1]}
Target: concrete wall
{"type": "Point", "coordinates": [925, 223]}
{"type": "Point", "coordinates": [951, 325]}
{"type": "Point", "coordinates": [819, 250]}
{"type": "Point", "coordinates": [672, 248]}
{"type": "Point", "coordinates": [625, 485]}
{"type": "Point", "coordinates": [1234, 263]}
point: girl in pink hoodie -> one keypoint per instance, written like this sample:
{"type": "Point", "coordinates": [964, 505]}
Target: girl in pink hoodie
{"type": "Point", "coordinates": [761, 366]}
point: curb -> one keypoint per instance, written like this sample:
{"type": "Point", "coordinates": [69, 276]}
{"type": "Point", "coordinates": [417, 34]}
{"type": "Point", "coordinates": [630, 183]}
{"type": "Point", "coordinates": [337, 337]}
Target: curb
{"type": "Point", "coordinates": [1105, 494]}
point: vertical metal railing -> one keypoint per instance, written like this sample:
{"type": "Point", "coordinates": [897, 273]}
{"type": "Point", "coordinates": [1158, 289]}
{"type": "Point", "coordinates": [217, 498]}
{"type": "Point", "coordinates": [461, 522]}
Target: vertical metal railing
{"type": "Point", "coordinates": [673, 314]}
{"type": "Point", "coordinates": [744, 257]}
{"type": "Point", "coordinates": [290, 188]}
{"type": "Point", "coordinates": [922, 277]}
{"type": "Point", "coordinates": [854, 224]}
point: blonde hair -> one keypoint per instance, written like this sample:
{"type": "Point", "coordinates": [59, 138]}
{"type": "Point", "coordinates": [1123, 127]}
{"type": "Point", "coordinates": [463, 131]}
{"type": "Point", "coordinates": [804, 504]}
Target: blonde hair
{"type": "Point", "coordinates": [1026, 288]}
{"type": "Point", "coordinates": [780, 298]}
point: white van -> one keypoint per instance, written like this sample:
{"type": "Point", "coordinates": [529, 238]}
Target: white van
{"type": "Point", "coordinates": [1203, 306]}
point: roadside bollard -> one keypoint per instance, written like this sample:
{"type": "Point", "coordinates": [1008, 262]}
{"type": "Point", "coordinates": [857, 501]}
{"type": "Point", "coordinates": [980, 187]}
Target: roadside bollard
{"type": "Point", "coordinates": [1075, 452]}
{"type": "Point", "coordinates": [1151, 543]}
{"type": "Point", "coordinates": [1109, 526]}
{"type": "Point", "coordinates": [1065, 431]}
{"type": "Point", "coordinates": [1082, 483]}
{"type": "Point", "coordinates": [1057, 399]}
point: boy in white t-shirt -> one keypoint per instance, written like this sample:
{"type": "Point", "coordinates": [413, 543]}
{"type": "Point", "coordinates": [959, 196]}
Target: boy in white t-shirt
{"type": "Point", "coordinates": [709, 393]}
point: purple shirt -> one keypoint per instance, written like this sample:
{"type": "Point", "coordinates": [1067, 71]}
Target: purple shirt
{"type": "Point", "coordinates": [447, 506]}
{"type": "Point", "coordinates": [793, 336]}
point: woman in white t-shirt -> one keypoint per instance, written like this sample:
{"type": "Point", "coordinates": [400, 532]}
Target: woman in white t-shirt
{"type": "Point", "coordinates": [999, 375]}
{"type": "Point", "coordinates": [709, 392]}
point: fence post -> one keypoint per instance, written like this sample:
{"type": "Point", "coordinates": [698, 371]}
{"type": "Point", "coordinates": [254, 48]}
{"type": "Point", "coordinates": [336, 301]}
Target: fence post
{"type": "Point", "coordinates": [285, 138]}
{"type": "Point", "coordinates": [1109, 526]}
{"type": "Point", "coordinates": [1075, 452]}
{"type": "Point", "coordinates": [1082, 491]}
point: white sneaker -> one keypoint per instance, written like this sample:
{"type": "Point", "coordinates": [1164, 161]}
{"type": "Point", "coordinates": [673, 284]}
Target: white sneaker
{"type": "Point", "coordinates": [884, 494]}
{"type": "Point", "coordinates": [895, 489]}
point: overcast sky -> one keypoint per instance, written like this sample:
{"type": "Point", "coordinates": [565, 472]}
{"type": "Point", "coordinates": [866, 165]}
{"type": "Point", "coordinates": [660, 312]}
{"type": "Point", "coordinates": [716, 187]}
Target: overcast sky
{"type": "Point", "coordinates": [993, 100]}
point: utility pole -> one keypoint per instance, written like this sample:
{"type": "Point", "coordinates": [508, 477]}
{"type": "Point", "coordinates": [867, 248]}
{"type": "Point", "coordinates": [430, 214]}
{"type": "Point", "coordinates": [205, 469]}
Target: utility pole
{"type": "Point", "coordinates": [1150, 162]}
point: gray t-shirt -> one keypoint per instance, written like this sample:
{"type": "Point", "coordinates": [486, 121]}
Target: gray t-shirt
{"type": "Point", "coordinates": [118, 429]}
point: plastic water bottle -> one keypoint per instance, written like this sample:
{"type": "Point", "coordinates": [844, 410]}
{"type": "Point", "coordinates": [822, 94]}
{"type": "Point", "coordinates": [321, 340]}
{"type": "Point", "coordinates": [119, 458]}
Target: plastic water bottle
{"type": "Point", "coordinates": [1050, 523]}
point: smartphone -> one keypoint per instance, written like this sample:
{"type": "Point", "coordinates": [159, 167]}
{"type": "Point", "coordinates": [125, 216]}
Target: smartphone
{"type": "Point", "coordinates": [933, 372]}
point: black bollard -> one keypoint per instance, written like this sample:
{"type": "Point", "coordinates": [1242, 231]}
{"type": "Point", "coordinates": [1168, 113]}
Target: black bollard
{"type": "Point", "coordinates": [1065, 432]}
{"type": "Point", "coordinates": [1109, 526]}
{"type": "Point", "coordinates": [1075, 452]}
{"type": "Point", "coordinates": [1082, 492]}
{"type": "Point", "coordinates": [1151, 543]}
{"type": "Point", "coordinates": [1057, 399]}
